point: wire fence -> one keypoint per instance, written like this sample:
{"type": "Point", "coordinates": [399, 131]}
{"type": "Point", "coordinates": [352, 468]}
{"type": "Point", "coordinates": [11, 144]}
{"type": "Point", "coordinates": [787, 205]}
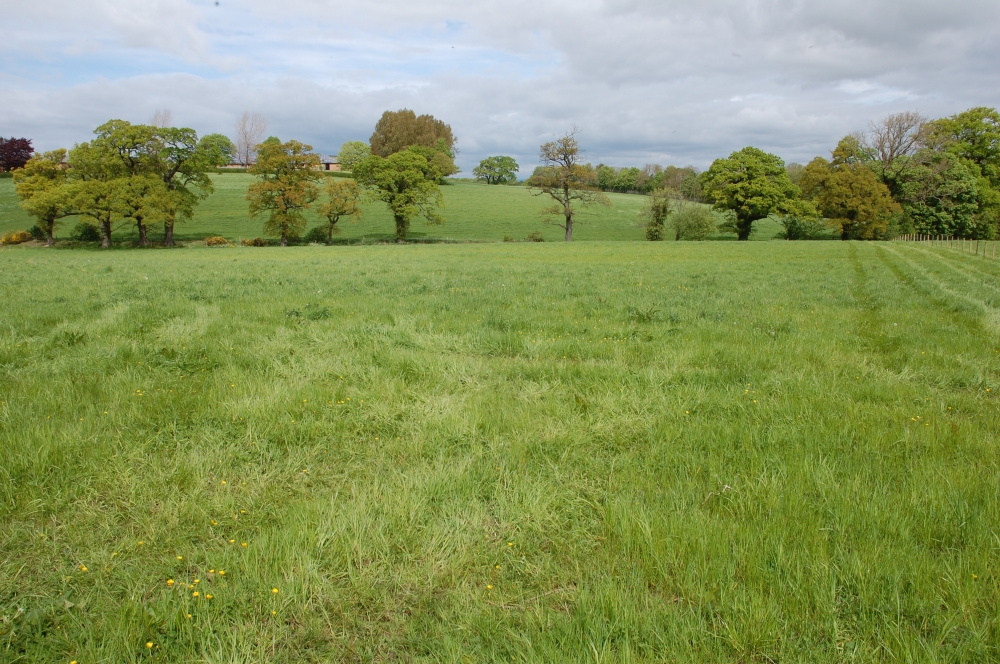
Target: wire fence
{"type": "Point", "coordinates": [984, 248]}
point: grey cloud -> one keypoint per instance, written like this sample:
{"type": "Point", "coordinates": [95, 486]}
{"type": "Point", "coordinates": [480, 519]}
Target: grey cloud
{"type": "Point", "coordinates": [647, 80]}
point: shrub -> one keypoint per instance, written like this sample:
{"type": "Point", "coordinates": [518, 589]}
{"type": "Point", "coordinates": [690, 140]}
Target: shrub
{"type": "Point", "coordinates": [37, 233]}
{"type": "Point", "coordinates": [535, 236]}
{"type": "Point", "coordinates": [256, 242]}
{"type": "Point", "coordinates": [216, 241]}
{"type": "Point", "coordinates": [803, 228]}
{"type": "Point", "coordinates": [508, 238]}
{"type": "Point", "coordinates": [16, 237]}
{"type": "Point", "coordinates": [84, 232]}
{"type": "Point", "coordinates": [316, 234]}
{"type": "Point", "coordinates": [692, 222]}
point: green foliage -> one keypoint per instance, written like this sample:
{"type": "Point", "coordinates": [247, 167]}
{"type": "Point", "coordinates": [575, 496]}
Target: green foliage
{"type": "Point", "coordinates": [848, 193]}
{"type": "Point", "coordinates": [40, 186]}
{"type": "Point", "coordinates": [655, 215]}
{"type": "Point", "coordinates": [398, 130]}
{"type": "Point", "coordinates": [343, 200]}
{"type": "Point", "coordinates": [692, 221]}
{"type": "Point", "coordinates": [496, 170]}
{"type": "Point", "coordinates": [286, 186]}
{"type": "Point", "coordinates": [352, 153]}
{"type": "Point", "coordinates": [407, 183]}
{"type": "Point", "coordinates": [750, 185]}
{"type": "Point", "coordinates": [627, 179]}
{"type": "Point", "coordinates": [85, 232]}
{"type": "Point", "coordinates": [941, 196]}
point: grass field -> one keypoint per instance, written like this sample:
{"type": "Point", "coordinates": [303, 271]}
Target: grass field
{"type": "Point", "coordinates": [597, 452]}
{"type": "Point", "coordinates": [472, 212]}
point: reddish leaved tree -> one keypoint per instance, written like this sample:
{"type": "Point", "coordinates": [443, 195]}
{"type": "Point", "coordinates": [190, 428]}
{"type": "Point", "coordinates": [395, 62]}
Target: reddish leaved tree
{"type": "Point", "coordinates": [14, 153]}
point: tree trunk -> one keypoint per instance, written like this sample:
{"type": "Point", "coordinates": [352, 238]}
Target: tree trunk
{"type": "Point", "coordinates": [401, 227]}
{"type": "Point", "coordinates": [106, 234]}
{"type": "Point", "coordinates": [168, 234]}
{"type": "Point", "coordinates": [284, 239]}
{"type": "Point", "coordinates": [568, 213]}
{"type": "Point", "coordinates": [143, 240]}
{"type": "Point", "coordinates": [743, 230]}
{"type": "Point", "coordinates": [50, 241]}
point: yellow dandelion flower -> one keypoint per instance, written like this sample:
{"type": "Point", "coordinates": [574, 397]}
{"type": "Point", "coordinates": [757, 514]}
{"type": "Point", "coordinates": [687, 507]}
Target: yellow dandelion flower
{"type": "Point", "coordinates": [222, 572]}
{"type": "Point", "coordinates": [232, 541]}
{"type": "Point", "coordinates": [244, 545]}
{"type": "Point", "coordinates": [170, 582]}
{"type": "Point", "coordinates": [149, 644]}
{"type": "Point", "coordinates": [274, 613]}
{"type": "Point", "coordinates": [510, 544]}
{"type": "Point", "coordinates": [274, 590]}
{"type": "Point", "coordinates": [83, 568]}
{"type": "Point", "coordinates": [189, 616]}
{"type": "Point", "coordinates": [489, 587]}
{"type": "Point", "coordinates": [180, 557]}
{"type": "Point", "coordinates": [194, 594]}
{"type": "Point", "coordinates": [211, 571]}
{"type": "Point", "coordinates": [141, 542]}
{"type": "Point", "coordinates": [208, 597]}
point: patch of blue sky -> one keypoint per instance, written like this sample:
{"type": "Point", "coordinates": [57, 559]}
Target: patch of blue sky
{"type": "Point", "coordinates": [67, 69]}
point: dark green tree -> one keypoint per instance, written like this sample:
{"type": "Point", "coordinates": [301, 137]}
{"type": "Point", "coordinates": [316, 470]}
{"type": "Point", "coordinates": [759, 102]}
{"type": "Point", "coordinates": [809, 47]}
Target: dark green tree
{"type": "Point", "coordinates": [407, 183]}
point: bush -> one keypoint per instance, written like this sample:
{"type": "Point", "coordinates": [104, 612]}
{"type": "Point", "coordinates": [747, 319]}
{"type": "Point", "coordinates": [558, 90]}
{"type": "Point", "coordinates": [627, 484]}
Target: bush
{"type": "Point", "coordinates": [535, 236]}
{"type": "Point", "coordinates": [693, 222]}
{"type": "Point", "coordinates": [803, 228]}
{"type": "Point", "coordinates": [16, 237]}
{"type": "Point", "coordinates": [316, 234]}
{"type": "Point", "coordinates": [84, 232]}
{"type": "Point", "coordinates": [256, 242]}
{"type": "Point", "coordinates": [654, 230]}
{"type": "Point", "coordinates": [508, 238]}
{"type": "Point", "coordinates": [216, 241]}
{"type": "Point", "coordinates": [37, 233]}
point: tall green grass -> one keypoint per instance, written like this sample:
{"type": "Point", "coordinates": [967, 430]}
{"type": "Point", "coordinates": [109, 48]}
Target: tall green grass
{"type": "Point", "coordinates": [642, 452]}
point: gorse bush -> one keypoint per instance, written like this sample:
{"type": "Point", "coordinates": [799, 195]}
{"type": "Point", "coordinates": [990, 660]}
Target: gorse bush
{"type": "Point", "coordinates": [255, 242]}
{"type": "Point", "coordinates": [84, 232]}
{"type": "Point", "coordinates": [17, 237]}
{"type": "Point", "coordinates": [535, 236]}
{"type": "Point", "coordinates": [216, 241]}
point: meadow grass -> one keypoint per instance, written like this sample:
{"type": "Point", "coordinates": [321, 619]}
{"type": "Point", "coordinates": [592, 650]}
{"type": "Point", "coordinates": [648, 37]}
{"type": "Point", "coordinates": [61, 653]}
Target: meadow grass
{"type": "Point", "coordinates": [596, 452]}
{"type": "Point", "coordinates": [472, 211]}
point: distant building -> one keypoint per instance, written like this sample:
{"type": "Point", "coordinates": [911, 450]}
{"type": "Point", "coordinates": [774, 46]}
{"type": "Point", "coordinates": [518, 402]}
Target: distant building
{"type": "Point", "coordinates": [330, 164]}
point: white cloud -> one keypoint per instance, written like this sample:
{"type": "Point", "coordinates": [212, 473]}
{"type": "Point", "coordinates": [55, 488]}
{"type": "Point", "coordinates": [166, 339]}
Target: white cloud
{"type": "Point", "coordinates": [647, 80]}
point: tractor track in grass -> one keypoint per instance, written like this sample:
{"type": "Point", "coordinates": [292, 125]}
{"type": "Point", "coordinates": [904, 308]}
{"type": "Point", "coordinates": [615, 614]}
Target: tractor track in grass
{"type": "Point", "coordinates": [938, 292]}
{"type": "Point", "coordinates": [962, 268]}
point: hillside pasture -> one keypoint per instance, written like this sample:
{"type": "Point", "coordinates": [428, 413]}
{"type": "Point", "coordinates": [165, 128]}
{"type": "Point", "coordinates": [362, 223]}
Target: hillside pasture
{"type": "Point", "coordinates": [635, 452]}
{"type": "Point", "coordinates": [473, 212]}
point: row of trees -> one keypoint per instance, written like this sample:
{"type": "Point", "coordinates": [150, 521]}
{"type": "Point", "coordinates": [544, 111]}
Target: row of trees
{"type": "Point", "coordinates": [136, 174]}
{"type": "Point", "coordinates": [907, 174]}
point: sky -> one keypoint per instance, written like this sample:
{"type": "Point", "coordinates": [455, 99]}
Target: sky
{"type": "Point", "coordinates": [644, 81]}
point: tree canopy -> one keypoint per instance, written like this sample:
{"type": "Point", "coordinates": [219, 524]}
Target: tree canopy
{"type": "Point", "coordinates": [750, 185]}
{"type": "Point", "coordinates": [567, 181]}
{"type": "Point", "coordinates": [398, 130]}
{"type": "Point", "coordinates": [496, 170]}
{"type": "Point", "coordinates": [407, 183]}
{"type": "Point", "coordinates": [14, 153]}
{"type": "Point", "coordinates": [285, 188]}
{"type": "Point", "coordinates": [351, 153]}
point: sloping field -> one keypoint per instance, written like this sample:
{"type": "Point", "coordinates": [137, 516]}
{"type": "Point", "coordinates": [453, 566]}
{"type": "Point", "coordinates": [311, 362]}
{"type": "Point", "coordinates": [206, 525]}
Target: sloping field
{"type": "Point", "coordinates": [683, 452]}
{"type": "Point", "coordinates": [472, 212]}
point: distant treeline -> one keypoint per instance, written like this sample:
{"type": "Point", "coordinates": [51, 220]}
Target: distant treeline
{"type": "Point", "coordinates": [683, 182]}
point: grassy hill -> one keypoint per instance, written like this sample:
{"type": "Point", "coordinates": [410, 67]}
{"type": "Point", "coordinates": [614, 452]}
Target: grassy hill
{"type": "Point", "coordinates": [472, 212]}
{"type": "Point", "coordinates": [636, 452]}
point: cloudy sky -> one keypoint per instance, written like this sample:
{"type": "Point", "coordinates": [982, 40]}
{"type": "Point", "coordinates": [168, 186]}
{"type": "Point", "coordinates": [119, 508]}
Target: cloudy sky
{"type": "Point", "coordinates": [666, 81]}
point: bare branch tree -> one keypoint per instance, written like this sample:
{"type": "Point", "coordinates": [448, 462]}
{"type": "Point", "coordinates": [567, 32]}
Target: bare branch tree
{"type": "Point", "coordinates": [891, 143]}
{"type": "Point", "coordinates": [162, 118]}
{"type": "Point", "coordinates": [250, 129]}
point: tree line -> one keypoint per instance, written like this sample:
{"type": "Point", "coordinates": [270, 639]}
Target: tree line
{"type": "Point", "coordinates": [905, 174]}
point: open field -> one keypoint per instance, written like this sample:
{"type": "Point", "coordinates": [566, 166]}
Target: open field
{"type": "Point", "coordinates": [641, 452]}
{"type": "Point", "coordinates": [472, 212]}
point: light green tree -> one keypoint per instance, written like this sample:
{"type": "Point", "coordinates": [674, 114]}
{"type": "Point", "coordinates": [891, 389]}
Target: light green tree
{"type": "Point", "coordinates": [343, 197]}
{"type": "Point", "coordinates": [407, 183]}
{"type": "Point", "coordinates": [352, 153]}
{"type": "Point", "coordinates": [44, 192]}
{"type": "Point", "coordinates": [749, 185]}
{"type": "Point", "coordinates": [286, 188]}
{"type": "Point", "coordinates": [496, 170]}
